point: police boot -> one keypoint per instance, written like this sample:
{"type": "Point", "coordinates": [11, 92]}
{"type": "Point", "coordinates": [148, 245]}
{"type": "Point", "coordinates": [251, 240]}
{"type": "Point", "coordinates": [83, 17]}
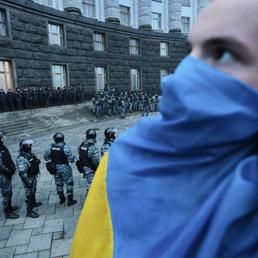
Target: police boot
{"type": "Point", "coordinates": [30, 212]}
{"type": "Point", "coordinates": [62, 198]}
{"type": "Point", "coordinates": [13, 208]}
{"type": "Point", "coordinates": [71, 201]}
{"type": "Point", "coordinates": [36, 204]}
{"type": "Point", "coordinates": [9, 214]}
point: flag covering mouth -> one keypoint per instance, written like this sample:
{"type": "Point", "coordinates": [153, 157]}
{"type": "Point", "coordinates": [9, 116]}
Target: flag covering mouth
{"type": "Point", "coordinates": [183, 184]}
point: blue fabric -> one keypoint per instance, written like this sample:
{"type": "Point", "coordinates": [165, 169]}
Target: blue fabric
{"type": "Point", "coordinates": [185, 183]}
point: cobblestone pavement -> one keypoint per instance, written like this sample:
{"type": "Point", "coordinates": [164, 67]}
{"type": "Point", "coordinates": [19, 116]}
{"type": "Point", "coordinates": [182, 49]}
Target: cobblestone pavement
{"type": "Point", "coordinates": [51, 234]}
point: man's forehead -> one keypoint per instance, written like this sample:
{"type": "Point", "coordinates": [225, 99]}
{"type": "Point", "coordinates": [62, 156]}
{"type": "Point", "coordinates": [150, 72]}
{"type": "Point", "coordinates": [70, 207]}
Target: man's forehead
{"type": "Point", "coordinates": [228, 18]}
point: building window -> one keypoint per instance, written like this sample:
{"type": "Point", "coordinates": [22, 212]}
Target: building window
{"type": "Point", "coordinates": [6, 78]}
{"type": "Point", "coordinates": [125, 15]}
{"type": "Point", "coordinates": [89, 8]}
{"type": "Point", "coordinates": [134, 46]}
{"type": "Point", "coordinates": [186, 3]}
{"type": "Point", "coordinates": [156, 21]}
{"type": "Point", "coordinates": [163, 49]}
{"type": "Point", "coordinates": [59, 76]}
{"type": "Point", "coordinates": [3, 23]}
{"type": "Point", "coordinates": [55, 34]}
{"type": "Point", "coordinates": [135, 79]}
{"type": "Point", "coordinates": [163, 73]}
{"type": "Point", "coordinates": [101, 78]}
{"type": "Point", "coordinates": [99, 41]}
{"type": "Point", "coordinates": [185, 25]}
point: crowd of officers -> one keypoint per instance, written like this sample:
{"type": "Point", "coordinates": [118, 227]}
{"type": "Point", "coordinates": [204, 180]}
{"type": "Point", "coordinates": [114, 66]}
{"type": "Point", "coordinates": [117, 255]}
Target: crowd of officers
{"type": "Point", "coordinates": [58, 156]}
{"type": "Point", "coordinates": [29, 98]}
{"type": "Point", "coordinates": [110, 102]}
{"type": "Point", "coordinates": [107, 102]}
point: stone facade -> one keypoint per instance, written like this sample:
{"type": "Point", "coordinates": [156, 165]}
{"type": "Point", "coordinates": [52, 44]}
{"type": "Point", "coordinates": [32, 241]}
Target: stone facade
{"type": "Point", "coordinates": [112, 13]}
{"type": "Point", "coordinates": [73, 6]}
{"type": "Point", "coordinates": [32, 56]}
{"type": "Point", "coordinates": [174, 12]}
{"type": "Point", "coordinates": [145, 14]}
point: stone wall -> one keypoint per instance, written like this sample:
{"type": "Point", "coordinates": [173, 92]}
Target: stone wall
{"type": "Point", "coordinates": [32, 56]}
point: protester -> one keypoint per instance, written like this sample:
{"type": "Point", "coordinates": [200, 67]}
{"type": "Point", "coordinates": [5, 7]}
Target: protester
{"type": "Point", "coordinates": [185, 184]}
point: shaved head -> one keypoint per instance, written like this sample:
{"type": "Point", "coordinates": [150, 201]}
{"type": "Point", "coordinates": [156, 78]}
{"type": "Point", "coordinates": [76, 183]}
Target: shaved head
{"type": "Point", "coordinates": [226, 36]}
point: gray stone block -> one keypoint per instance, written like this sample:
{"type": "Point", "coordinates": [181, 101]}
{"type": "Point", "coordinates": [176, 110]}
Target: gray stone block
{"type": "Point", "coordinates": [61, 247]}
{"type": "Point", "coordinates": [5, 232]}
{"type": "Point", "coordinates": [40, 242]}
{"type": "Point", "coordinates": [44, 254]}
{"type": "Point", "coordinates": [9, 222]}
{"type": "Point", "coordinates": [53, 225]}
{"type": "Point", "coordinates": [21, 249]}
{"type": "Point", "coordinates": [28, 255]}
{"type": "Point", "coordinates": [7, 252]}
{"type": "Point", "coordinates": [3, 243]}
{"type": "Point", "coordinates": [19, 238]}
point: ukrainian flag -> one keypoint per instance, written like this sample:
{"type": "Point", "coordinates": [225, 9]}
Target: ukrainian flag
{"type": "Point", "coordinates": [183, 184]}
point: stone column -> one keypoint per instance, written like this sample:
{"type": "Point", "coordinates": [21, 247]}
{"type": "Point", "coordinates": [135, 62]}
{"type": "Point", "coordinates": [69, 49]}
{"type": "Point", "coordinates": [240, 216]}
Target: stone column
{"type": "Point", "coordinates": [202, 4]}
{"type": "Point", "coordinates": [112, 13]}
{"type": "Point", "coordinates": [73, 6]}
{"type": "Point", "coordinates": [144, 14]}
{"type": "Point", "coordinates": [174, 15]}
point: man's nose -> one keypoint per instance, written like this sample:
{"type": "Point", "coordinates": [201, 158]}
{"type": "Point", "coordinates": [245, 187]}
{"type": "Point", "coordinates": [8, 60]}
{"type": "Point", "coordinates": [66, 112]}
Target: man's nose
{"type": "Point", "coordinates": [196, 52]}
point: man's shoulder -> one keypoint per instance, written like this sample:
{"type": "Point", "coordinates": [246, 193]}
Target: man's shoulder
{"type": "Point", "coordinates": [67, 148]}
{"type": "Point", "coordinates": [22, 158]}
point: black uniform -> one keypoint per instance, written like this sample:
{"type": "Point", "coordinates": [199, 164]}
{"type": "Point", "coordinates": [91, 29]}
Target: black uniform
{"type": "Point", "coordinates": [7, 170]}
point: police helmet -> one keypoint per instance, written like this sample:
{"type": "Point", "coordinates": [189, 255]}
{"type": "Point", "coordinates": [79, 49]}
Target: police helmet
{"type": "Point", "coordinates": [91, 135]}
{"type": "Point", "coordinates": [25, 142]}
{"type": "Point", "coordinates": [110, 133]}
{"type": "Point", "coordinates": [58, 137]}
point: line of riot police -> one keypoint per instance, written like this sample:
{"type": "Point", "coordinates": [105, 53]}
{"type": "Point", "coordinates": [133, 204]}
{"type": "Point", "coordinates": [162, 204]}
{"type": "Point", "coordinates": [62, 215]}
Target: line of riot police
{"type": "Point", "coordinates": [110, 102]}
{"type": "Point", "coordinates": [59, 156]}
{"type": "Point", "coordinates": [29, 98]}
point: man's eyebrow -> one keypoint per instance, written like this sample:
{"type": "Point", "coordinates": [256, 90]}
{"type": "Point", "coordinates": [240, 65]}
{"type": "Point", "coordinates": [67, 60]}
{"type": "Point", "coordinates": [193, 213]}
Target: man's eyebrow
{"type": "Point", "coordinates": [231, 43]}
{"type": "Point", "coordinates": [224, 41]}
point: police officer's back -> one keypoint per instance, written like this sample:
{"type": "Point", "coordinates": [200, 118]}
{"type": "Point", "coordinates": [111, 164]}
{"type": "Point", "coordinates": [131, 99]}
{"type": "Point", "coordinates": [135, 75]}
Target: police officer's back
{"type": "Point", "coordinates": [28, 168]}
{"type": "Point", "coordinates": [61, 155]}
{"type": "Point", "coordinates": [7, 170]}
{"type": "Point", "coordinates": [89, 156]}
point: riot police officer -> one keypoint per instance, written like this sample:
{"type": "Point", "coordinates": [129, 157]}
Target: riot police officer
{"type": "Point", "coordinates": [110, 136]}
{"type": "Point", "coordinates": [28, 167]}
{"type": "Point", "coordinates": [7, 170]}
{"type": "Point", "coordinates": [89, 156]}
{"type": "Point", "coordinates": [60, 155]}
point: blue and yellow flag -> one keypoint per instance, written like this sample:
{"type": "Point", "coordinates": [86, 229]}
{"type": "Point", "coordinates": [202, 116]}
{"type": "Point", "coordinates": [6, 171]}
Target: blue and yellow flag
{"type": "Point", "coordinates": [183, 184]}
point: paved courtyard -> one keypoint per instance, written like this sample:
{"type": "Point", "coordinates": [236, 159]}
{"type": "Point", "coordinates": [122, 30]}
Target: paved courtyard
{"type": "Point", "coordinates": [51, 234]}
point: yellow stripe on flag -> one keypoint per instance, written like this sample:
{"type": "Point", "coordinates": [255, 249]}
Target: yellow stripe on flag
{"type": "Point", "coordinates": [94, 235]}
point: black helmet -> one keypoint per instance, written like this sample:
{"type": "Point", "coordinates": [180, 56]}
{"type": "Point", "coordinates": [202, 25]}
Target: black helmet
{"type": "Point", "coordinates": [110, 133]}
{"type": "Point", "coordinates": [91, 135]}
{"type": "Point", "coordinates": [25, 145]}
{"type": "Point", "coordinates": [58, 137]}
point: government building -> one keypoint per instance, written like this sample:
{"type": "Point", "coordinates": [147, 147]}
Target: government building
{"type": "Point", "coordinates": [126, 44]}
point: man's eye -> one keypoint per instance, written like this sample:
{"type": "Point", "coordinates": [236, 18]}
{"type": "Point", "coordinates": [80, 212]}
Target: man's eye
{"type": "Point", "coordinates": [224, 57]}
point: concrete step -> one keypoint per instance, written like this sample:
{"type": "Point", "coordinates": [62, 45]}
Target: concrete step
{"type": "Point", "coordinates": [43, 121]}
{"type": "Point", "coordinates": [19, 124]}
